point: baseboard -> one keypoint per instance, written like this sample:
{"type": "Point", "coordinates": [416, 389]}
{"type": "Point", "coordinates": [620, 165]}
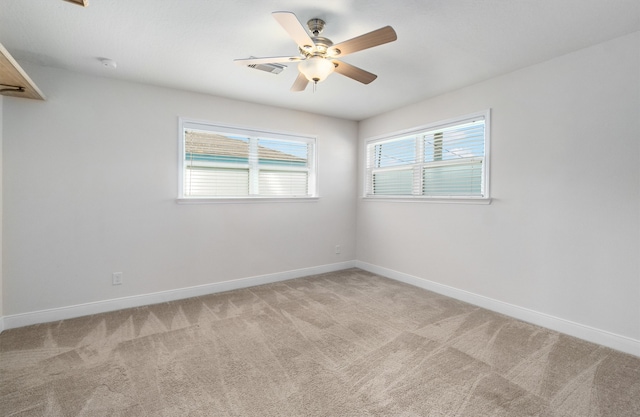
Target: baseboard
{"type": "Point", "coordinates": [591, 334]}
{"type": "Point", "coordinates": [62, 313]}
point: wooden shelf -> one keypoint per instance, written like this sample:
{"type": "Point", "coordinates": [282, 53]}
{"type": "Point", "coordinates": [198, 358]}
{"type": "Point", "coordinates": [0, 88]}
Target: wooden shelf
{"type": "Point", "coordinates": [12, 75]}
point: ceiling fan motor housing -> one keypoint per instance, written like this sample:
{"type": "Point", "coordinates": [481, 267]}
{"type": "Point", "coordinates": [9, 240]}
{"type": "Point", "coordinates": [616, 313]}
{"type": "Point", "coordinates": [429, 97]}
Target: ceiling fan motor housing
{"type": "Point", "coordinates": [320, 48]}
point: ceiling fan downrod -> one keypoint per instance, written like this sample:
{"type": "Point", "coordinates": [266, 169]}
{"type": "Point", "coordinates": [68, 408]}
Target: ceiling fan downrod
{"type": "Point", "coordinates": [316, 26]}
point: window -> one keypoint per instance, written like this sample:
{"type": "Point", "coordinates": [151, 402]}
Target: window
{"type": "Point", "coordinates": [447, 160]}
{"type": "Point", "coordinates": [221, 162]}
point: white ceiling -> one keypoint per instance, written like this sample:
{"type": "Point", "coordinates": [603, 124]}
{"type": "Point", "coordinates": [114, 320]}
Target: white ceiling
{"type": "Point", "coordinates": [442, 45]}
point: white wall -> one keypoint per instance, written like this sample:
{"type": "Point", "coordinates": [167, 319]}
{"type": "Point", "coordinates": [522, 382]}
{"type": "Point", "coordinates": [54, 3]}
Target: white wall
{"type": "Point", "coordinates": [90, 189]}
{"type": "Point", "coordinates": [561, 236]}
{"type": "Point", "coordinates": [1, 210]}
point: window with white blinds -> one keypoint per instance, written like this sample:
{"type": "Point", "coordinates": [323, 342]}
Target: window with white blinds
{"type": "Point", "coordinates": [226, 162]}
{"type": "Point", "coordinates": [442, 160]}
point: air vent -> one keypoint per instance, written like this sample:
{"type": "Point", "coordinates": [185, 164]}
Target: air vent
{"type": "Point", "coordinates": [272, 68]}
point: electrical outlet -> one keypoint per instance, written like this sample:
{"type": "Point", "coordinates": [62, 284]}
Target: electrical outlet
{"type": "Point", "coordinates": [337, 249]}
{"type": "Point", "coordinates": [116, 278]}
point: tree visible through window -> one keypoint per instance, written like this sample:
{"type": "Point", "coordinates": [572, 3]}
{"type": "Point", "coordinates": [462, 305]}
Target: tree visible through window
{"type": "Point", "coordinates": [219, 162]}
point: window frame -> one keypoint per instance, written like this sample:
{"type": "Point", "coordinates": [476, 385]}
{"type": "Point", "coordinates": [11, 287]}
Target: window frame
{"type": "Point", "coordinates": [249, 132]}
{"type": "Point", "coordinates": [418, 165]}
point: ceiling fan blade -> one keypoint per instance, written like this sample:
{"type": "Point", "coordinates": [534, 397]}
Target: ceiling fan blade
{"type": "Point", "coordinates": [355, 73]}
{"type": "Point", "coordinates": [294, 28]}
{"type": "Point", "coordinates": [368, 40]}
{"type": "Point", "coordinates": [300, 83]}
{"type": "Point", "coordinates": [83, 3]}
{"type": "Point", "coordinates": [267, 60]}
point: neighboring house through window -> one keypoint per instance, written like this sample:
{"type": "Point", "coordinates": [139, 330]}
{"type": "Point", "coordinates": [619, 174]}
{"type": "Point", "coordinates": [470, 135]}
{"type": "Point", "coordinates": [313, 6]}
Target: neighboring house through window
{"type": "Point", "coordinates": [227, 162]}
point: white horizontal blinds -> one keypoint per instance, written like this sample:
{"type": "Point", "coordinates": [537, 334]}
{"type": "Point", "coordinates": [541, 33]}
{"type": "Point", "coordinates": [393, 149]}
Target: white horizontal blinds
{"type": "Point", "coordinates": [391, 166]}
{"type": "Point", "coordinates": [397, 152]}
{"type": "Point", "coordinates": [445, 161]}
{"type": "Point", "coordinates": [283, 183]}
{"type": "Point", "coordinates": [215, 164]}
{"type": "Point", "coordinates": [453, 160]}
{"type": "Point", "coordinates": [222, 163]}
{"type": "Point", "coordinates": [206, 182]}
{"type": "Point", "coordinates": [283, 167]}
{"type": "Point", "coordinates": [453, 180]}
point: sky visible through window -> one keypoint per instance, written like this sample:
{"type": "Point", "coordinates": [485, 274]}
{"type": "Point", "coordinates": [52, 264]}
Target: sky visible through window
{"type": "Point", "coordinates": [455, 142]}
{"type": "Point", "coordinates": [269, 150]}
{"type": "Point", "coordinates": [296, 149]}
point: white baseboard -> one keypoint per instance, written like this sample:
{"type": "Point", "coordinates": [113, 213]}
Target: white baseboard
{"type": "Point", "coordinates": [62, 313]}
{"type": "Point", "coordinates": [591, 334]}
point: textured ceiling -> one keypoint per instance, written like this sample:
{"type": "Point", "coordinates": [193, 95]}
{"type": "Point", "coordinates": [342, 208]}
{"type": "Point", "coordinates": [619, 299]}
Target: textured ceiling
{"type": "Point", "coordinates": [442, 45]}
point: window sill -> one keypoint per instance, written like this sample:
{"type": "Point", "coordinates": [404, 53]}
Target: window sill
{"type": "Point", "coordinates": [250, 200]}
{"type": "Point", "coordinates": [438, 200]}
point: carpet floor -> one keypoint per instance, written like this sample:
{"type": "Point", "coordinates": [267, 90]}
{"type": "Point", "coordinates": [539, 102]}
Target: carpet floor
{"type": "Point", "coordinates": [346, 343]}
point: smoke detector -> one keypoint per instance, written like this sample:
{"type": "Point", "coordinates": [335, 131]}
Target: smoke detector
{"type": "Point", "coordinates": [108, 63]}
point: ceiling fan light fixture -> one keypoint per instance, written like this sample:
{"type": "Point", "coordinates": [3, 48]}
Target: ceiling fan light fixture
{"type": "Point", "coordinates": [316, 68]}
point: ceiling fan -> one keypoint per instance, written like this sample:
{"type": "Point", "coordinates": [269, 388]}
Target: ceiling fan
{"type": "Point", "coordinates": [318, 56]}
{"type": "Point", "coordinates": [83, 3]}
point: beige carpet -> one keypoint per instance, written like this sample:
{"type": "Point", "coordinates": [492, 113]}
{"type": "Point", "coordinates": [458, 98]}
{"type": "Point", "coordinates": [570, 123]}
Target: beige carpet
{"type": "Point", "coordinates": [347, 343]}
